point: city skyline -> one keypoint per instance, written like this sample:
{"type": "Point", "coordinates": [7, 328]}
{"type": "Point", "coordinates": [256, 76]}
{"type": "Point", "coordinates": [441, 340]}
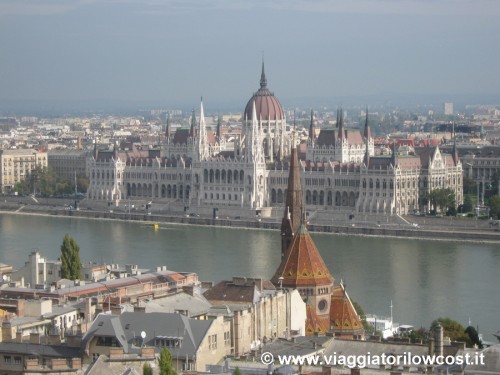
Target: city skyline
{"type": "Point", "coordinates": [80, 54]}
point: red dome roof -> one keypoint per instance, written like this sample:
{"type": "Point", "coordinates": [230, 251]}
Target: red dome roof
{"type": "Point", "coordinates": [267, 106]}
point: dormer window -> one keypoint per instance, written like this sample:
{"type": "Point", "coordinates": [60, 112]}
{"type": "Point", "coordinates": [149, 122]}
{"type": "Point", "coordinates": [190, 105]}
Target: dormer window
{"type": "Point", "coordinates": [168, 342]}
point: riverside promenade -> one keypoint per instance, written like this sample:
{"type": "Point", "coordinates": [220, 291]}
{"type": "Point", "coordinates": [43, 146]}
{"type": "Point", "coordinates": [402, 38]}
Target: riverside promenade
{"type": "Point", "coordinates": [422, 227]}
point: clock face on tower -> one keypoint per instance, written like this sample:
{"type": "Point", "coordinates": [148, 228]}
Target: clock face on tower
{"type": "Point", "coordinates": [322, 305]}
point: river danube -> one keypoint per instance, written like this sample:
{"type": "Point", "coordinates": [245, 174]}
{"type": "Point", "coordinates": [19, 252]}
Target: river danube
{"type": "Point", "coordinates": [424, 279]}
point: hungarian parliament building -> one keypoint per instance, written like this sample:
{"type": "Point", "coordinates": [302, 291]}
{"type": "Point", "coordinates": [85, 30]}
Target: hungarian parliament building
{"type": "Point", "coordinates": [199, 168]}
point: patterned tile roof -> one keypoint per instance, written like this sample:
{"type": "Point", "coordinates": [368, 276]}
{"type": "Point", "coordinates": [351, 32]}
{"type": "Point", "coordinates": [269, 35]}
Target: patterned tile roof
{"type": "Point", "coordinates": [303, 264]}
{"type": "Point", "coordinates": [343, 317]}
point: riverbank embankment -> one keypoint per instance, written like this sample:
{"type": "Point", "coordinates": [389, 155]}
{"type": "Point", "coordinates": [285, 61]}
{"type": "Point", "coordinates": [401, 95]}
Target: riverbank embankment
{"type": "Point", "coordinates": [403, 231]}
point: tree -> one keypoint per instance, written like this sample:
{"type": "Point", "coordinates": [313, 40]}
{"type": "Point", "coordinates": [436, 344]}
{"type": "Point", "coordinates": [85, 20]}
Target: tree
{"type": "Point", "coordinates": [468, 204]}
{"type": "Point", "coordinates": [442, 198]}
{"type": "Point", "coordinates": [71, 266]}
{"type": "Point", "coordinates": [22, 188]}
{"type": "Point", "coordinates": [451, 328]}
{"type": "Point", "coordinates": [473, 337]}
{"type": "Point", "coordinates": [469, 186]}
{"type": "Point", "coordinates": [165, 363]}
{"type": "Point", "coordinates": [146, 369]}
{"type": "Point", "coordinates": [237, 371]}
{"type": "Point", "coordinates": [494, 205]}
{"type": "Point", "coordinates": [82, 183]}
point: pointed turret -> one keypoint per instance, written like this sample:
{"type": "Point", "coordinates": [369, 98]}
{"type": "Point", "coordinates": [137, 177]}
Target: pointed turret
{"type": "Point", "coordinates": [312, 130]}
{"type": "Point", "coordinates": [202, 139]}
{"type": "Point", "coordinates": [340, 116]}
{"type": "Point", "coordinates": [293, 206]}
{"type": "Point", "coordinates": [219, 128]}
{"type": "Point", "coordinates": [192, 130]}
{"type": "Point", "coordinates": [367, 135]}
{"type": "Point", "coordinates": [455, 151]}
{"type": "Point", "coordinates": [167, 127]}
{"type": "Point", "coordinates": [393, 155]}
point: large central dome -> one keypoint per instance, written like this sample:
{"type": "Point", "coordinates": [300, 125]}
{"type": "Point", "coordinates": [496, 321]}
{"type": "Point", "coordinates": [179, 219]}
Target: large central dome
{"type": "Point", "coordinates": [267, 106]}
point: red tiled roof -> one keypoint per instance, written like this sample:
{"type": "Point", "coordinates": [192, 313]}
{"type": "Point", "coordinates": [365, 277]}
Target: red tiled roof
{"type": "Point", "coordinates": [303, 264]}
{"type": "Point", "coordinates": [343, 317]}
{"type": "Point", "coordinates": [313, 323]}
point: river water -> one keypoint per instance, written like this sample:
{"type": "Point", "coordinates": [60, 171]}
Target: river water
{"type": "Point", "coordinates": [424, 279]}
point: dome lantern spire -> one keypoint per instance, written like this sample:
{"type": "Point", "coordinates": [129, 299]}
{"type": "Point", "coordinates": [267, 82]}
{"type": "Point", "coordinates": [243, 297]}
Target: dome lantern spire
{"type": "Point", "coordinates": [263, 80]}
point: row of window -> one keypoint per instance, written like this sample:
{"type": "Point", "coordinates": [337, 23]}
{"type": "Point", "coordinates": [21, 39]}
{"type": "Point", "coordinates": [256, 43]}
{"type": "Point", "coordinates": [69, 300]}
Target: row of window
{"type": "Point", "coordinates": [8, 360]}
{"type": "Point", "coordinates": [223, 196]}
{"type": "Point", "coordinates": [223, 176]}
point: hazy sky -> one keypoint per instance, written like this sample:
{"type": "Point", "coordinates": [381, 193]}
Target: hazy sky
{"type": "Point", "coordinates": [170, 52]}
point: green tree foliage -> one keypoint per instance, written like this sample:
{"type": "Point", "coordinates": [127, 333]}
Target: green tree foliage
{"type": "Point", "coordinates": [146, 369]}
{"type": "Point", "coordinates": [45, 182]}
{"type": "Point", "coordinates": [468, 204]}
{"type": "Point", "coordinates": [369, 329]}
{"type": "Point", "coordinates": [469, 186]}
{"type": "Point", "coordinates": [71, 266]}
{"type": "Point", "coordinates": [442, 198]}
{"type": "Point", "coordinates": [419, 335]}
{"type": "Point", "coordinates": [359, 309]}
{"type": "Point", "coordinates": [451, 328]}
{"type": "Point", "coordinates": [237, 371]}
{"type": "Point", "coordinates": [22, 188]}
{"type": "Point", "coordinates": [82, 183]}
{"type": "Point", "coordinates": [473, 337]}
{"type": "Point", "coordinates": [165, 363]}
{"type": "Point", "coordinates": [494, 205]}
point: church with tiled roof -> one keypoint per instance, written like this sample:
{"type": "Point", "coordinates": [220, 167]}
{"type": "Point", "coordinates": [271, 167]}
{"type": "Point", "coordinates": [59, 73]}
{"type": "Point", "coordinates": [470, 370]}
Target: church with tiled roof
{"type": "Point", "coordinates": [329, 308]}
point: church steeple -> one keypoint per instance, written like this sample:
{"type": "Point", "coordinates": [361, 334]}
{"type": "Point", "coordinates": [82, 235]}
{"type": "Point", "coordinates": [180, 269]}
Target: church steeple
{"type": "Point", "coordinates": [263, 80]}
{"type": "Point", "coordinates": [293, 206]}
{"type": "Point", "coordinates": [312, 131]}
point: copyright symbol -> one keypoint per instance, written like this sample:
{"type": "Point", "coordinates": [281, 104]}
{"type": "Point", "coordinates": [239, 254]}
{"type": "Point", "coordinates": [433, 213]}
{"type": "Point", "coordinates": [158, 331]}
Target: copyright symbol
{"type": "Point", "coordinates": [267, 358]}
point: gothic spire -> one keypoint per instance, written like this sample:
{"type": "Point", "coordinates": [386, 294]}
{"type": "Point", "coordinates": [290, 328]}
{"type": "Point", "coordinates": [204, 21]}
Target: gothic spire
{"type": "Point", "coordinates": [192, 131]}
{"type": "Point", "coordinates": [167, 128]}
{"type": "Point", "coordinates": [312, 131]}
{"type": "Point", "coordinates": [219, 127]}
{"type": "Point", "coordinates": [263, 80]}
{"type": "Point", "coordinates": [455, 152]}
{"type": "Point", "coordinates": [393, 156]}
{"type": "Point", "coordinates": [202, 138]}
{"type": "Point", "coordinates": [340, 117]}
{"type": "Point", "coordinates": [293, 206]}
{"type": "Point", "coordinates": [367, 133]}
